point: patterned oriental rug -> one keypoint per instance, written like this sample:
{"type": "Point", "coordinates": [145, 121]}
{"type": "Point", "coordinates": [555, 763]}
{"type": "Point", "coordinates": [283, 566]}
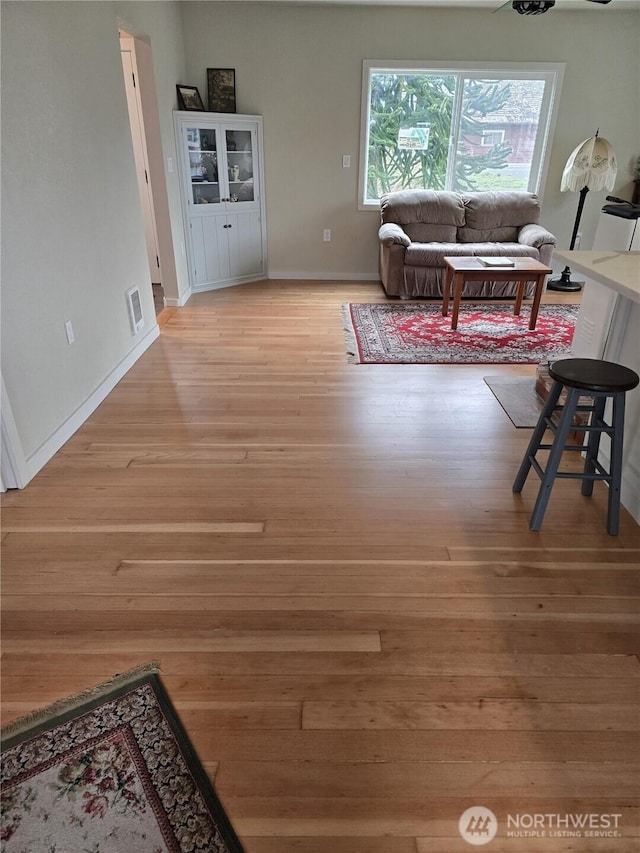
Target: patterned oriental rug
{"type": "Point", "coordinates": [410, 333]}
{"type": "Point", "coordinates": [107, 772]}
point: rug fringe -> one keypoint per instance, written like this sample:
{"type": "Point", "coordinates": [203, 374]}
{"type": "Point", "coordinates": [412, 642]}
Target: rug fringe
{"type": "Point", "coordinates": [63, 705]}
{"type": "Point", "coordinates": [350, 335]}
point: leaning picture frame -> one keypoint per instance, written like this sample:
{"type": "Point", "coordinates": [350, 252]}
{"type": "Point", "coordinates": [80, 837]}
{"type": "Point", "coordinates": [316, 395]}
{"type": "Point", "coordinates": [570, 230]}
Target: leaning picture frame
{"type": "Point", "coordinates": [189, 98]}
{"type": "Point", "coordinates": [221, 85]}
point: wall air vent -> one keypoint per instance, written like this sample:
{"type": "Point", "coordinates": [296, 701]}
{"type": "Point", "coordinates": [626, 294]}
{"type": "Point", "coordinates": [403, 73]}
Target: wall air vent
{"type": "Point", "coordinates": [135, 310]}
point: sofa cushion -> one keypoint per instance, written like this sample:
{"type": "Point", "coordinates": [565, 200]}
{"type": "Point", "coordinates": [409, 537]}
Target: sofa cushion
{"type": "Point", "coordinates": [421, 232]}
{"type": "Point", "coordinates": [507, 234]}
{"type": "Point", "coordinates": [497, 216]}
{"type": "Point", "coordinates": [495, 209]}
{"type": "Point", "coordinates": [433, 254]}
{"type": "Point", "coordinates": [415, 209]}
{"type": "Point", "coordinates": [501, 250]}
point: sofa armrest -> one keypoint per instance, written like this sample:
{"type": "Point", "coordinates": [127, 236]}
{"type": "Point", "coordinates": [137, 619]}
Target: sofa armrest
{"type": "Point", "coordinates": [391, 233]}
{"type": "Point", "coordinates": [535, 236]}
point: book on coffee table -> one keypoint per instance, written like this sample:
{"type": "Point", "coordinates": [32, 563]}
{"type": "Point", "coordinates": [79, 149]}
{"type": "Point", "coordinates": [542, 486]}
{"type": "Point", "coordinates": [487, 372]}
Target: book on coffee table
{"type": "Point", "coordinates": [496, 262]}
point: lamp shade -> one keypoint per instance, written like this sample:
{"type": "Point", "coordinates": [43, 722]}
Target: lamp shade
{"type": "Point", "coordinates": [592, 165]}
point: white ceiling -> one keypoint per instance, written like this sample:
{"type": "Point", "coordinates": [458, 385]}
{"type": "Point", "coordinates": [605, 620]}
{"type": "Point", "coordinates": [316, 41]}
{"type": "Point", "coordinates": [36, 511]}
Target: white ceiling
{"type": "Point", "coordinates": [561, 5]}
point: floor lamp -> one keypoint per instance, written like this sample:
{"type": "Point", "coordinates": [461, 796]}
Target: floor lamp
{"type": "Point", "coordinates": [591, 166]}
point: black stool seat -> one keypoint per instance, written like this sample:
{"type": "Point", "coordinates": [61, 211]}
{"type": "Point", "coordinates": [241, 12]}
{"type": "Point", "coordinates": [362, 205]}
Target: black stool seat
{"type": "Point", "coordinates": [600, 381]}
{"type": "Point", "coordinates": [591, 374]}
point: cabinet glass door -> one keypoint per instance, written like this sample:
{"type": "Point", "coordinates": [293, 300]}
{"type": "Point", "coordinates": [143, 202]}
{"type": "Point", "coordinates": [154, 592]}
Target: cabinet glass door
{"type": "Point", "coordinates": [202, 144]}
{"type": "Point", "coordinates": [240, 168]}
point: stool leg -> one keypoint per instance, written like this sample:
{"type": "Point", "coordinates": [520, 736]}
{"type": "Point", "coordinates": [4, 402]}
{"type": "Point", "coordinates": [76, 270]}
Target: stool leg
{"type": "Point", "coordinates": [613, 515]}
{"type": "Point", "coordinates": [553, 463]}
{"type": "Point", "coordinates": [593, 445]}
{"type": "Point", "coordinates": [536, 438]}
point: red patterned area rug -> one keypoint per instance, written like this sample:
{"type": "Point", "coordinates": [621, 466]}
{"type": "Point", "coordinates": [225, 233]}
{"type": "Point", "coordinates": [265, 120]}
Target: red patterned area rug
{"type": "Point", "coordinates": [410, 333]}
{"type": "Point", "coordinates": [108, 772]}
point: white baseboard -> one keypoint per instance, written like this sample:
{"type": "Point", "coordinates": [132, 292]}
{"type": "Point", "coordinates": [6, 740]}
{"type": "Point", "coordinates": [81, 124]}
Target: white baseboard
{"type": "Point", "coordinates": [180, 301]}
{"type": "Point", "coordinates": [223, 285]}
{"type": "Point", "coordinates": [330, 276]}
{"type": "Point", "coordinates": [43, 454]}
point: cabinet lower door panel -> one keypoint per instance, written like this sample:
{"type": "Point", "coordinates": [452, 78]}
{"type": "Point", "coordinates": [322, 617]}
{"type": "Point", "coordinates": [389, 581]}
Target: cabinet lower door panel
{"type": "Point", "coordinates": [218, 252]}
{"type": "Point", "coordinates": [208, 253]}
{"type": "Point", "coordinates": [199, 264]}
{"type": "Point", "coordinates": [209, 248]}
{"type": "Point", "coordinates": [245, 244]}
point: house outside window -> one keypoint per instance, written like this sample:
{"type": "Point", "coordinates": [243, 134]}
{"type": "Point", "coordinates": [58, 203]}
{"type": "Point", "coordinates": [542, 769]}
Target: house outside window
{"type": "Point", "coordinates": [460, 127]}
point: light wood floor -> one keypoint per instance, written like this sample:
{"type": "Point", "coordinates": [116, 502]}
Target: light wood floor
{"type": "Point", "coordinates": [358, 629]}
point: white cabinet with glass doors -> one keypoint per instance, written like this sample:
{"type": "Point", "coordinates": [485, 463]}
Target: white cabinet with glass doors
{"type": "Point", "coordinates": [222, 186]}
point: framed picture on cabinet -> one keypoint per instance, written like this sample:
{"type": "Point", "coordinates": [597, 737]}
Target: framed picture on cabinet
{"type": "Point", "coordinates": [221, 83]}
{"type": "Point", "coordinates": [189, 98]}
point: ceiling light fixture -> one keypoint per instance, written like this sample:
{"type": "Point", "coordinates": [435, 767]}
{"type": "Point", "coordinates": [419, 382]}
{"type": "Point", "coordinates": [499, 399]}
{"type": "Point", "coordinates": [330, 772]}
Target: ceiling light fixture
{"type": "Point", "coordinates": [532, 7]}
{"type": "Point", "coordinates": [537, 7]}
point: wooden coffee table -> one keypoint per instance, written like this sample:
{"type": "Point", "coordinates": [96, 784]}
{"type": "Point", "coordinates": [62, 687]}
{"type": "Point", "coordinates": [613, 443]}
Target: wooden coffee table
{"type": "Point", "coordinates": [463, 269]}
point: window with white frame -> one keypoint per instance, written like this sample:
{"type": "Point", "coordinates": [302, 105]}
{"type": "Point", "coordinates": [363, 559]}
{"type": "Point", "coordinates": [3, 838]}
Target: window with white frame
{"type": "Point", "coordinates": [492, 137]}
{"type": "Point", "coordinates": [464, 126]}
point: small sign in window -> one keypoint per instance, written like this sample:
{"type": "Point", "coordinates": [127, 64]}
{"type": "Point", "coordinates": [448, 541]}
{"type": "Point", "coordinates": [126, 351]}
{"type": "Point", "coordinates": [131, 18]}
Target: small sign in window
{"type": "Point", "coordinates": [414, 138]}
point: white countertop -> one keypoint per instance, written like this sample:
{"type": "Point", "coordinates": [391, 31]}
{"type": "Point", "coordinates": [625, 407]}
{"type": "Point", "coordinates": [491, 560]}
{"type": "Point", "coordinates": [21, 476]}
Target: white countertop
{"type": "Point", "coordinates": [618, 270]}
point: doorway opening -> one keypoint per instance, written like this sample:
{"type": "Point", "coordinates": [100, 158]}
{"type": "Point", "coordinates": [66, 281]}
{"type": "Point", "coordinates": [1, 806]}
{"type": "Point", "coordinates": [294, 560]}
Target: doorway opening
{"type": "Point", "coordinates": [143, 172]}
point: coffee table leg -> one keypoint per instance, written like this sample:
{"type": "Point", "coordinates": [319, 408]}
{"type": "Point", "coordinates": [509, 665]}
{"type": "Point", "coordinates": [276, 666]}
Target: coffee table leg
{"type": "Point", "coordinates": [536, 301]}
{"type": "Point", "coordinates": [458, 282]}
{"type": "Point", "coordinates": [519, 297]}
{"type": "Point", "coordinates": [446, 290]}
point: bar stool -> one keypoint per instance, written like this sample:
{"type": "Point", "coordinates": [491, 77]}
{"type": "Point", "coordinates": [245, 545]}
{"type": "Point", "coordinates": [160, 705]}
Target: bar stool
{"type": "Point", "coordinates": [600, 381]}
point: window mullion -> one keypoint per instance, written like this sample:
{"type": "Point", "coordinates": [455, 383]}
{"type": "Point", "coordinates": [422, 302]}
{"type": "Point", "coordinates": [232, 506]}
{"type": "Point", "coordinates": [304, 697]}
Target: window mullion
{"type": "Point", "coordinates": [541, 138]}
{"type": "Point", "coordinates": [455, 133]}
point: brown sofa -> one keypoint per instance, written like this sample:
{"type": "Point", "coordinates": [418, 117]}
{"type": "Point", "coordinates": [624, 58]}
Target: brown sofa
{"type": "Point", "coordinates": [420, 227]}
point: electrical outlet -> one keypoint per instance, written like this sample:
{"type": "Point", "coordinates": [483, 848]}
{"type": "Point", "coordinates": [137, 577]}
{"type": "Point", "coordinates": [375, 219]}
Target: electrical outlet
{"type": "Point", "coordinates": [68, 327]}
{"type": "Point", "coordinates": [346, 161]}
{"type": "Point", "coordinates": [326, 235]}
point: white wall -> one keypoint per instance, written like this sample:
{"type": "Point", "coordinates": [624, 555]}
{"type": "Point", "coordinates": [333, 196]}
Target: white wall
{"type": "Point", "coordinates": [301, 68]}
{"type": "Point", "coordinates": [72, 235]}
